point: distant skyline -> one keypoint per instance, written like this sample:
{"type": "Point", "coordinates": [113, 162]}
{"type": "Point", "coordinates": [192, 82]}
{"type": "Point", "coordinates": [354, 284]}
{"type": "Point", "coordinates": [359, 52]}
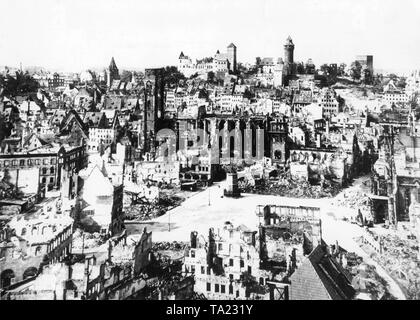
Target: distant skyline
{"type": "Point", "coordinates": [77, 35]}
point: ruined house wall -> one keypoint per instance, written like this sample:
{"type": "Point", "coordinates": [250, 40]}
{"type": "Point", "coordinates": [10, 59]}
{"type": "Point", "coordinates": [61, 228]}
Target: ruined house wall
{"type": "Point", "coordinates": [142, 251]}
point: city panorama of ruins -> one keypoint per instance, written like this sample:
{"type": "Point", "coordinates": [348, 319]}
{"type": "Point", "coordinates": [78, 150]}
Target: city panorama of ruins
{"type": "Point", "coordinates": [191, 167]}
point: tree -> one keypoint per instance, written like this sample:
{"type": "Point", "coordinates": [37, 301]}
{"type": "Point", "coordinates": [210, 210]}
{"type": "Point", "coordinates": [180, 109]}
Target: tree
{"type": "Point", "coordinates": [330, 73]}
{"type": "Point", "coordinates": [393, 76]}
{"type": "Point", "coordinates": [172, 76]}
{"type": "Point", "coordinates": [367, 76]}
{"type": "Point", "coordinates": [401, 83]}
{"type": "Point", "coordinates": [241, 68]}
{"type": "Point", "coordinates": [377, 82]}
{"type": "Point", "coordinates": [22, 83]}
{"type": "Point", "coordinates": [310, 68]}
{"type": "Point", "coordinates": [300, 68]}
{"type": "Point", "coordinates": [5, 128]}
{"type": "Point", "coordinates": [356, 70]}
{"type": "Point", "coordinates": [211, 77]}
{"type": "Point", "coordinates": [342, 69]}
{"type": "Point", "coordinates": [248, 94]}
{"type": "Point", "coordinates": [125, 76]}
{"type": "Point", "coordinates": [325, 69]}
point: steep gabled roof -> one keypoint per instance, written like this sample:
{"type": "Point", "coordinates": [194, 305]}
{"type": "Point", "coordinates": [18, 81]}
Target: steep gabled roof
{"type": "Point", "coordinates": [58, 117]}
{"type": "Point", "coordinates": [112, 65]}
{"type": "Point", "coordinates": [289, 41]}
{"type": "Point", "coordinates": [95, 118]}
{"type": "Point", "coordinates": [320, 277]}
{"type": "Point", "coordinates": [72, 115]}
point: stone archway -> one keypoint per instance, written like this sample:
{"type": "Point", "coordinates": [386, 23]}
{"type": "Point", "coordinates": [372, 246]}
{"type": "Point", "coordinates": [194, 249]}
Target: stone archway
{"type": "Point", "coordinates": [6, 278]}
{"type": "Point", "coordinates": [30, 272]}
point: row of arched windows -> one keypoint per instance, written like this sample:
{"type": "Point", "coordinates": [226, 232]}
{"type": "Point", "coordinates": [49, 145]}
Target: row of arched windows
{"type": "Point", "coordinates": [7, 276]}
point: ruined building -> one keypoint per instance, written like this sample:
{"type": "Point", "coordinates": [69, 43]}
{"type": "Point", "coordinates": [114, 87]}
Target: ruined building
{"type": "Point", "coordinates": [116, 276]}
{"type": "Point", "coordinates": [396, 175]}
{"type": "Point", "coordinates": [226, 265]}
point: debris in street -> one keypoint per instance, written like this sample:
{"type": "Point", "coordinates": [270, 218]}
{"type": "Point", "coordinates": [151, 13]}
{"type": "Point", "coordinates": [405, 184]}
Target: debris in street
{"type": "Point", "coordinates": [288, 186]}
{"type": "Point", "coordinates": [400, 259]}
{"type": "Point", "coordinates": [146, 211]}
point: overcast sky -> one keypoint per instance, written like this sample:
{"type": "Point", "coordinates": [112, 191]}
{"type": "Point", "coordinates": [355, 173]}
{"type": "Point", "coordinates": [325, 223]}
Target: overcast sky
{"type": "Point", "coordinates": [78, 34]}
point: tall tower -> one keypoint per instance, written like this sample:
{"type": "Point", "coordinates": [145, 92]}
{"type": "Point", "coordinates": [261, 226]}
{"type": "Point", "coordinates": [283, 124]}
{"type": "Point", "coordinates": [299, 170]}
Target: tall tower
{"type": "Point", "coordinates": [277, 135]}
{"type": "Point", "coordinates": [289, 47]}
{"type": "Point", "coordinates": [231, 55]}
{"type": "Point", "coordinates": [289, 66]}
{"type": "Point", "coordinates": [113, 73]}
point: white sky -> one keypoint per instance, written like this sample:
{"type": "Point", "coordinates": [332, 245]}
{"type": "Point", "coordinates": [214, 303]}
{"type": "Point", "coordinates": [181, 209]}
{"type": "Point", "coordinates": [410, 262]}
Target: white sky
{"type": "Point", "coordinates": [78, 34]}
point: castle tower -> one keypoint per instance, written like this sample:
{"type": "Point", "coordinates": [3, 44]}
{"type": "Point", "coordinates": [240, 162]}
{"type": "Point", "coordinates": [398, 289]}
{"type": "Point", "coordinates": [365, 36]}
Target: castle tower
{"type": "Point", "coordinates": [289, 47]}
{"type": "Point", "coordinates": [182, 60]}
{"type": "Point", "coordinates": [113, 73]}
{"type": "Point", "coordinates": [289, 65]}
{"type": "Point", "coordinates": [185, 65]}
{"type": "Point", "coordinates": [231, 55]}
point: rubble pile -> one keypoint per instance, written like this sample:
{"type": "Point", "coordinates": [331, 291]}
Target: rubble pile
{"type": "Point", "coordinates": [169, 252]}
{"type": "Point", "coordinates": [400, 259]}
{"type": "Point", "coordinates": [365, 279]}
{"type": "Point", "coordinates": [142, 212]}
{"type": "Point", "coordinates": [167, 285]}
{"type": "Point", "coordinates": [288, 186]}
{"type": "Point", "coordinates": [173, 246]}
{"type": "Point", "coordinates": [8, 190]}
{"type": "Point", "coordinates": [90, 240]}
{"type": "Point", "coordinates": [147, 211]}
{"type": "Point", "coordinates": [9, 211]}
{"type": "Point", "coordinates": [368, 281]}
{"type": "Point", "coordinates": [354, 199]}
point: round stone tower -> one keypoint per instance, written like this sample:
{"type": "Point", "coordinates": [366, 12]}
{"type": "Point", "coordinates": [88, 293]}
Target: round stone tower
{"type": "Point", "coordinates": [289, 47]}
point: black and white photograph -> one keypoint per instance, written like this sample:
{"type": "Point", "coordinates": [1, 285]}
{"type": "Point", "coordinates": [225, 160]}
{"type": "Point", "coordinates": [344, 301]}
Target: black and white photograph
{"type": "Point", "coordinates": [209, 154]}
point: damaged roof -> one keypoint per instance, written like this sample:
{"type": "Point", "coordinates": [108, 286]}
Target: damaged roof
{"type": "Point", "coordinates": [320, 277]}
